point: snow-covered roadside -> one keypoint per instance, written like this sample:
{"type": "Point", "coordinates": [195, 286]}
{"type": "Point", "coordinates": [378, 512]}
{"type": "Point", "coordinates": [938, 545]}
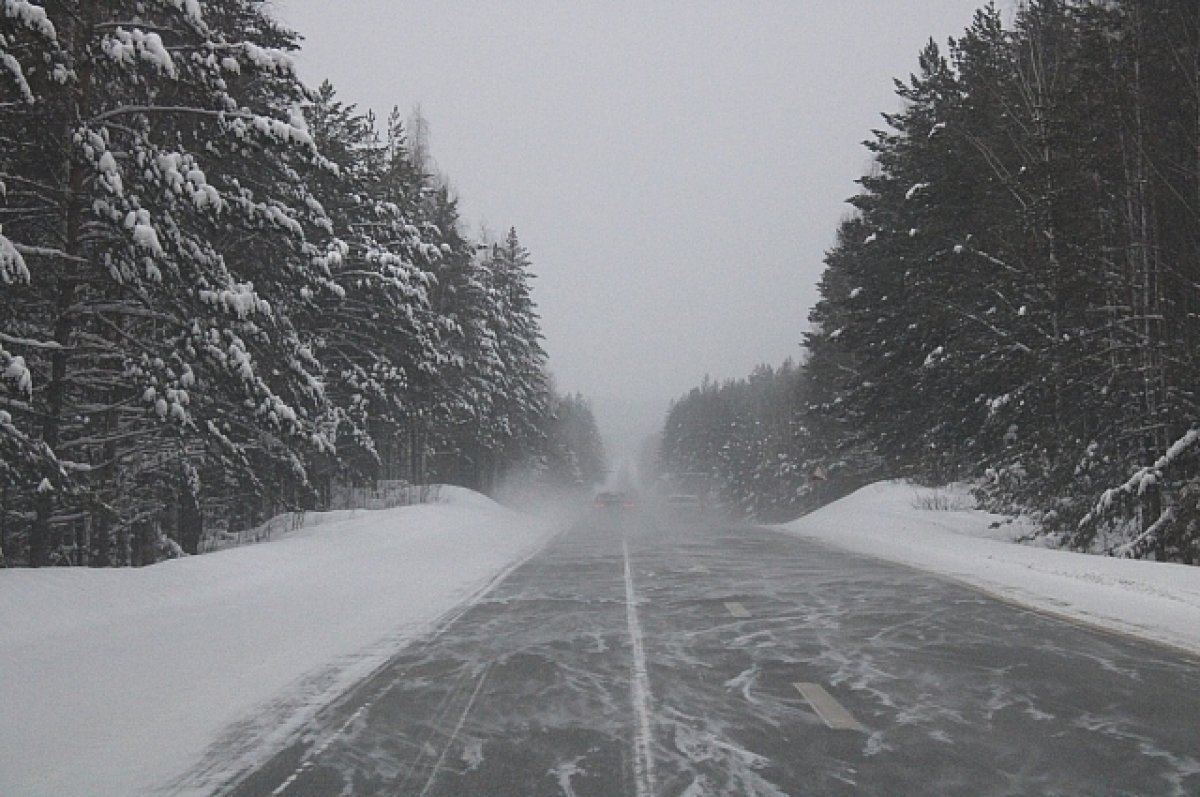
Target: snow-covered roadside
{"type": "Point", "coordinates": [892, 521]}
{"type": "Point", "coordinates": [114, 681]}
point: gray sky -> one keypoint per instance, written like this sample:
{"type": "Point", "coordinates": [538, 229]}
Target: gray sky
{"type": "Point", "coordinates": [676, 169]}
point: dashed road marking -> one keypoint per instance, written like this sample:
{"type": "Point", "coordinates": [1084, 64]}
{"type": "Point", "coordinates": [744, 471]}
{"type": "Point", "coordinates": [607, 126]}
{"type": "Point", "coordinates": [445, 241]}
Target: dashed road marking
{"type": "Point", "coordinates": [829, 710]}
{"type": "Point", "coordinates": [309, 759]}
{"type": "Point", "coordinates": [737, 609]}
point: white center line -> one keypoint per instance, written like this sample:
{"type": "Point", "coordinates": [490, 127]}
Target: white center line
{"type": "Point", "coordinates": [737, 609]}
{"type": "Point", "coordinates": [643, 762]}
{"type": "Point", "coordinates": [829, 710]}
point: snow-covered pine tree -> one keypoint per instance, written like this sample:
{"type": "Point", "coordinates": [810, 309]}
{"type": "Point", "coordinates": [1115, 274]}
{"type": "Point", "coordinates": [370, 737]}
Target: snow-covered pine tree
{"type": "Point", "coordinates": [741, 441]}
{"type": "Point", "coordinates": [575, 452]}
{"type": "Point", "coordinates": [837, 442]}
{"type": "Point", "coordinates": [520, 411]}
{"type": "Point", "coordinates": [1017, 295]}
{"type": "Point", "coordinates": [451, 402]}
{"type": "Point", "coordinates": [1147, 55]}
{"type": "Point", "coordinates": [380, 340]}
{"type": "Point", "coordinates": [155, 164]}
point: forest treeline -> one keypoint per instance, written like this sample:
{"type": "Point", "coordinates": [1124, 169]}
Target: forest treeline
{"type": "Point", "coordinates": [1013, 300]}
{"type": "Point", "coordinates": [223, 293]}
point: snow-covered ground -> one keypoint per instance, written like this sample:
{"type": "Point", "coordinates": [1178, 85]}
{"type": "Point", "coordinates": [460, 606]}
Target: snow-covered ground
{"type": "Point", "coordinates": [939, 532]}
{"type": "Point", "coordinates": [113, 682]}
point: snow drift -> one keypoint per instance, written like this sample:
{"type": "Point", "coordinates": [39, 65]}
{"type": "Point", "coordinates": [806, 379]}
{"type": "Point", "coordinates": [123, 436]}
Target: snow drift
{"type": "Point", "coordinates": [939, 532]}
{"type": "Point", "coordinates": [115, 681]}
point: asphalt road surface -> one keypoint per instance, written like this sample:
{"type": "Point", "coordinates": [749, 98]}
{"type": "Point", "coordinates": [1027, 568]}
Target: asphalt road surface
{"type": "Point", "coordinates": [650, 655]}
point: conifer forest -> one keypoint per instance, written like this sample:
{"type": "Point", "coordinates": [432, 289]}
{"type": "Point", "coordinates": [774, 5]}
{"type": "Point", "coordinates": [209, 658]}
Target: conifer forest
{"type": "Point", "coordinates": [1014, 299]}
{"type": "Point", "coordinates": [225, 295]}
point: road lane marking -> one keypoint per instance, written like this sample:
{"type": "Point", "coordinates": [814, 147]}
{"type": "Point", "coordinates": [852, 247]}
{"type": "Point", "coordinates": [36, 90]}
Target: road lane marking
{"type": "Point", "coordinates": [829, 710]}
{"type": "Point", "coordinates": [437, 767]}
{"type": "Point", "coordinates": [737, 609]}
{"type": "Point", "coordinates": [309, 759]}
{"type": "Point", "coordinates": [643, 761]}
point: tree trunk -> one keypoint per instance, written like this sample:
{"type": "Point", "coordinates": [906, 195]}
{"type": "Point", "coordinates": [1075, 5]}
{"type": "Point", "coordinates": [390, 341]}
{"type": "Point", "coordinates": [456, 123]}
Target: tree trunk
{"type": "Point", "coordinates": [102, 531]}
{"type": "Point", "coordinates": [1144, 260]}
{"type": "Point", "coordinates": [42, 540]}
{"type": "Point", "coordinates": [4, 552]}
{"type": "Point", "coordinates": [191, 521]}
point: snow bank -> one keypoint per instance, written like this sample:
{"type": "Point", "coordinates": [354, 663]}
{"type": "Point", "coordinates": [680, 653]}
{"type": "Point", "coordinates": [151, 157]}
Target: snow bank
{"type": "Point", "coordinates": [115, 681]}
{"type": "Point", "coordinates": [895, 521]}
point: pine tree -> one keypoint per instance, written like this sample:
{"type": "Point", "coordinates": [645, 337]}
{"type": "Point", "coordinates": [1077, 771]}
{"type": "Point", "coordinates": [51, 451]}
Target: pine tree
{"type": "Point", "coordinates": [520, 413]}
{"type": "Point", "coordinates": [380, 338]}
{"type": "Point", "coordinates": [740, 441]}
{"type": "Point", "coordinates": [1014, 298]}
{"type": "Point", "coordinates": [574, 454]}
{"type": "Point", "coordinates": [167, 234]}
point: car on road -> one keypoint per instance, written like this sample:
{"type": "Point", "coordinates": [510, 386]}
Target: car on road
{"type": "Point", "coordinates": [612, 501]}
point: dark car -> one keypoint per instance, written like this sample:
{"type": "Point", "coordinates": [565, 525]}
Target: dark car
{"type": "Point", "coordinates": [612, 501]}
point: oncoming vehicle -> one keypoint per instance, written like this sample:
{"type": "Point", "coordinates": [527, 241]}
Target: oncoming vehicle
{"type": "Point", "coordinates": [612, 501]}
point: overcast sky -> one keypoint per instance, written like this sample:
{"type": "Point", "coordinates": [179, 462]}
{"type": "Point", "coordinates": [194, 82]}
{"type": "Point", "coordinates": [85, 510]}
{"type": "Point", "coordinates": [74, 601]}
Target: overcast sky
{"type": "Point", "coordinates": [676, 169]}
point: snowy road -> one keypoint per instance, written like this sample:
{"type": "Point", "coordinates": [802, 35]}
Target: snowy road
{"type": "Point", "coordinates": [657, 656]}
